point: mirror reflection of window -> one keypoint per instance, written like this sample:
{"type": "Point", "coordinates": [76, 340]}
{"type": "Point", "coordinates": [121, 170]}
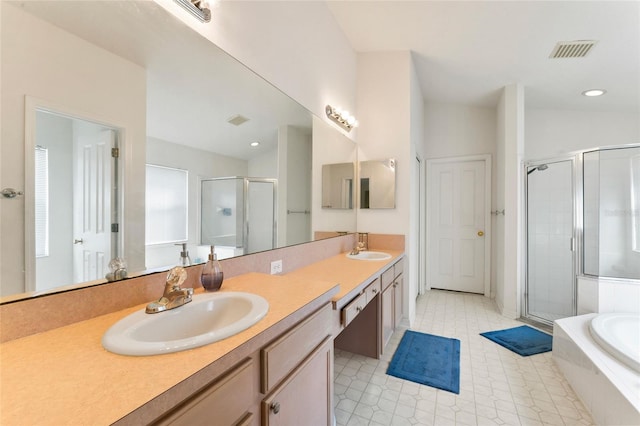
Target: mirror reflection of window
{"type": "Point", "coordinates": [165, 205]}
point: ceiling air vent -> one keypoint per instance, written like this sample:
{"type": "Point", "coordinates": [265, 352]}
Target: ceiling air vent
{"type": "Point", "coordinates": [237, 120]}
{"type": "Point", "coordinates": [572, 49]}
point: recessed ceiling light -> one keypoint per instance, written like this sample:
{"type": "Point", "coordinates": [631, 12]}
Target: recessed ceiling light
{"type": "Point", "coordinates": [594, 92]}
{"type": "Point", "coordinates": [255, 143]}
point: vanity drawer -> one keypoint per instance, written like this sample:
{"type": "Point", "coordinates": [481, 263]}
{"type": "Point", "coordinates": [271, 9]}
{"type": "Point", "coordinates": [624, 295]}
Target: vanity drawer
{"type": "Point", "coordinates": [372, 290]}
{"type": "Point", "coordinates": [352, 310]}
{"type": "Point", "coordinates": [387, 278]}
{"type": "Point", "coordinates": [281, 356]}
{"type": "Point", "coordinates": [224, 399]}
{"type": "Point", "coordinates": [398, 268]}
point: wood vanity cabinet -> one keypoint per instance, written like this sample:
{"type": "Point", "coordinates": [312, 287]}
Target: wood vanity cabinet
{"type": "Point", "coordinates": [225, 399]}
{"type": "Point", "coordinates": [306, 396]}
{"type": "Point", "coordinates": [287, 382]}
{"type": "Point", "coordinates": [359, 320]}
{"type": "Point", "coordinates": [391, 304]}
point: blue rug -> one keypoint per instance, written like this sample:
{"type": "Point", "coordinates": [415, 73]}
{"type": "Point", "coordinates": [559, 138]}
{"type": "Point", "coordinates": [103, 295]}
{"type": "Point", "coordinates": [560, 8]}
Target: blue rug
{"type": "Point", "coordinates": [522, 340]}
{"type": "Point", "coordinates": [429, 360]}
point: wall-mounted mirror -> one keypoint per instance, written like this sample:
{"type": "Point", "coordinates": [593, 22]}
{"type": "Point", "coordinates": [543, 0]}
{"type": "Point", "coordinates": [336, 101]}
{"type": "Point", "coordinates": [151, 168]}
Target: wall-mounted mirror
{"type": "Point", "coordinates": [377, 184]}
{"type": "Point", "coordinates": [338, 189]}
{"type": "Point", "coordinates": [179, 103]}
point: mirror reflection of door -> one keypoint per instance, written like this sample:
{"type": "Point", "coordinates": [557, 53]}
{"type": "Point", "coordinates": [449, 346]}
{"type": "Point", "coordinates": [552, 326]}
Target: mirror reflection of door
{"type": "Point", "coordinates": [74, 199]}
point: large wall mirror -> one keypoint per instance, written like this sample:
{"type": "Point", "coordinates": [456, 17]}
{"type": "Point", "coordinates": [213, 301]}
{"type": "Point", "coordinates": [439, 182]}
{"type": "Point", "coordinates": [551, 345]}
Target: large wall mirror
{"type": "Point", "coordinates": [179, 111]}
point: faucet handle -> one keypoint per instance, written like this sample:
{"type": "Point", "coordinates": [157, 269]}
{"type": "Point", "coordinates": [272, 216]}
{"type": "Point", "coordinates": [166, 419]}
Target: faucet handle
{"type": "Point", "coordinates": [175, 278]}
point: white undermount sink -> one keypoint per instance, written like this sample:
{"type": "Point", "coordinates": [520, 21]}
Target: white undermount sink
{"type": "Point", "coordinates": [369, 255]}
{"type": "Point", "coordinates": [209, 317]}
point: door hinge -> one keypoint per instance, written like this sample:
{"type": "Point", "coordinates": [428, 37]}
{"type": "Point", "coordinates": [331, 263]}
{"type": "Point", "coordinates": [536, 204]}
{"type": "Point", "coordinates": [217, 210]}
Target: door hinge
{"type": "Point", "coordinates": [115, 227]}
{"type": "Point", "coordinates": [115, 152]}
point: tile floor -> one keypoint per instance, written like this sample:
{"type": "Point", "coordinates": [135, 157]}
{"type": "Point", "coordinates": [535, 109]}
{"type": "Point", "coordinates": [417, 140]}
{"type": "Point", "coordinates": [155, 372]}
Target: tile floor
{"type": "Point", "coordinates": [497, 386]}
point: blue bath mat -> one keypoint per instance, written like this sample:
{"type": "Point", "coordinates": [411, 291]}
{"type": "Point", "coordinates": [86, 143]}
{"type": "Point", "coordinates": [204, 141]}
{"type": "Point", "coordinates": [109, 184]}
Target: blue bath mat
{"type": "Point", "coordinates": [522, 340]}
{"type": "Point", "coordinates": [429, 360]}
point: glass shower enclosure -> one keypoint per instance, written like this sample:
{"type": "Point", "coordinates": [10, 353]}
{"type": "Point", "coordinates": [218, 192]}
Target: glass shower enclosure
{"type": "Point", "coordinates": [550, 220]}
{"type": "Point", "coordinates": [239, 212]}
{"type": "Point", "coordinates": [582, 218]}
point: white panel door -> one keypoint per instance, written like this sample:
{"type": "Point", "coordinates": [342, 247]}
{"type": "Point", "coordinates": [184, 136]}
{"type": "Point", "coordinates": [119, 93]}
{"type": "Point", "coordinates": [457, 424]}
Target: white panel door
{"type": "Point", "coordinates": [457, 226]}
{"type": "Point", "coordinates": [92, 201]}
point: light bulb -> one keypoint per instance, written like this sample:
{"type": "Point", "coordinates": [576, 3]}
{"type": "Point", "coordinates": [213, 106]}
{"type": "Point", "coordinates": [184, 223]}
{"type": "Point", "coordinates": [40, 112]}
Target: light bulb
{"type": "Point", "coordinates": [594, 92]}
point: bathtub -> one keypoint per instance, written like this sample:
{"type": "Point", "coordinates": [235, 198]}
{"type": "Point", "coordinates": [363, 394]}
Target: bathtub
{"type": "Point", "coordinates": [619, 334]}
{"type": "Point", "coordinates": [608, 387]}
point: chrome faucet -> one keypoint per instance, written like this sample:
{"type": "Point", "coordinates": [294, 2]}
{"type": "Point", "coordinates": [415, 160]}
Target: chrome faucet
{"type": "Point", "coordinates": [357, 249]}
{"type": "Point", "coordinates": [174, 295]}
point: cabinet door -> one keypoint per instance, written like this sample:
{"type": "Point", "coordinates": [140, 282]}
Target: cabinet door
{"type": "Point", "coordinates": [225, 400]}
{"type": "Point", "coordinates": [306, 396]}
{"type": "Point", "coordinates": [387, 322]}
{"type": "Point", "coordinates": [397, 301]}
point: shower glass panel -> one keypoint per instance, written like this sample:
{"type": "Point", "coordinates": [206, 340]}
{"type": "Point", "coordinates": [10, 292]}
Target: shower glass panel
{"type": "Point", "coordinates": [222, 212]}
{"type": "Point", "coordinates": [260, 215]}
{"type": "Point", "coordinates": [238, 212]}
{"type": "Point", "coordinates": [612, 213]}
{"type": "Point", "coordinates": [550, 241]}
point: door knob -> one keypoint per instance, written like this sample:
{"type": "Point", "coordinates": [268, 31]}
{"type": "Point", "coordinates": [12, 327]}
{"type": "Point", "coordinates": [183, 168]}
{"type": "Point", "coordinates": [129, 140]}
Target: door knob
{"type": "Point", "coordinates": [480, 233]}
{"type": "Point", "coordinates": [10, 193]}
{"type": "Point", "coordinates": [275, 407]}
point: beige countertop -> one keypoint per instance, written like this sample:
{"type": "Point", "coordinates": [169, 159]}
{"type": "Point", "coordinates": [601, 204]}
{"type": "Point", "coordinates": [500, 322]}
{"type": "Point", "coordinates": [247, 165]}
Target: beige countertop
{"type": "Point", "coordinates": [64, 376]}
{"type": "Point", "coordinates": [352, 275]}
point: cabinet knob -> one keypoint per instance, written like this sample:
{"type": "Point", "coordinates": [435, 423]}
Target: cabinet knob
{"type": "Point", "coordinates": [275, 407]}
{"type": "Point", "coordinates": [375, 290]}
{"type": "Point", "coordinates": [358, 309]}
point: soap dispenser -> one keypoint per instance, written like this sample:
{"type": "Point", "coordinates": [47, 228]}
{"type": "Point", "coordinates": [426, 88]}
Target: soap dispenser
{"type": "Point", "coordinates": [185, 260]}
{"type": "Point", "coordinates": [212, 276]}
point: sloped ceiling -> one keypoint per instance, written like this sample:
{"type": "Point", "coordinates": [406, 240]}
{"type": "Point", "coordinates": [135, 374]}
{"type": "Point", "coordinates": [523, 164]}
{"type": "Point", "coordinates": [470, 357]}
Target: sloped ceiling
{"type": "Point", "coordinates": [466, 51]}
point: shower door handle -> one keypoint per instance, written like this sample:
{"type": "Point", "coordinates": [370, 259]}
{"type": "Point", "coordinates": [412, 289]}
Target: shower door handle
{"type": "Point", "coordinates": [572, 244]}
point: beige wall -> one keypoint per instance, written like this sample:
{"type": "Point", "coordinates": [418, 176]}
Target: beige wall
{"type": "Point", "coordinates": [384, 101]}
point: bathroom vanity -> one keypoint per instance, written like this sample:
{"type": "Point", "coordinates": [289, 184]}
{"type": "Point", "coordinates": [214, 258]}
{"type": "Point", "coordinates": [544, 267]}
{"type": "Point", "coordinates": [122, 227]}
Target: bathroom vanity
{"type": "Point", "coordinates": [278, 371]}
{"type": "Point", "coordinates": [79, 382]}
{"type": "Point", "coordinates": [369, 304]}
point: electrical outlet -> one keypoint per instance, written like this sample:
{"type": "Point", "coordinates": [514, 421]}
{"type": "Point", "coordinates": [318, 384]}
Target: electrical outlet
{"type": "Point", "coordinates": [276, 267]}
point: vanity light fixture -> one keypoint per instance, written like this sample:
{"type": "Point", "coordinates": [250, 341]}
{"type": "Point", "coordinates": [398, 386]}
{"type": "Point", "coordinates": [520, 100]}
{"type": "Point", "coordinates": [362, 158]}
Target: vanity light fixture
{"type": "Point", "coordinates": [594, 92]}
{"type": "Point", "coordinates": [343, 118]}
{"type": "Point", "coordinates": [198, 8]}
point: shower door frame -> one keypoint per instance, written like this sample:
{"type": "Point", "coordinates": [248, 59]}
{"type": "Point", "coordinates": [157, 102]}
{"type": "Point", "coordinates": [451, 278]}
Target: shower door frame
{"type": "Point", "coordinates": [576, 185]}
{"type": "Point", "coordinates": [247, 228]}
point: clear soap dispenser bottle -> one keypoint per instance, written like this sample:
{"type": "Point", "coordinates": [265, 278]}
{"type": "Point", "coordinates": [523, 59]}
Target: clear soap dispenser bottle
{"type": "Point", "coordinates": [185, 260]}
{"type": "Point", "coordinates": [212, 276]}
